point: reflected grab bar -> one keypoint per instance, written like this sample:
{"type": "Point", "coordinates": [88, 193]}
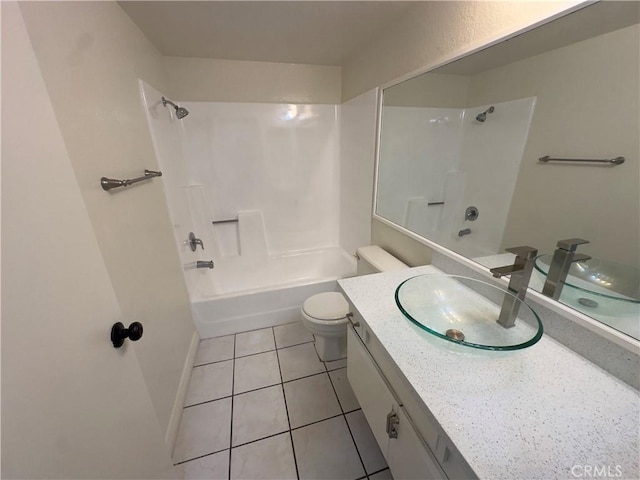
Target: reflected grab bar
{"type": "Point", "coordinates": [231, 220]}
{"type": "Point", "coordinates": [110, 183]}
{"type": "Point", "coordinates": [610, 161]}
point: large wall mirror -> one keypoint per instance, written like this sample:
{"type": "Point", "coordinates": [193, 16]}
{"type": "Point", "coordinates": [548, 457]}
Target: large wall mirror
{"type": "Point", "coordinates": [460, 148]}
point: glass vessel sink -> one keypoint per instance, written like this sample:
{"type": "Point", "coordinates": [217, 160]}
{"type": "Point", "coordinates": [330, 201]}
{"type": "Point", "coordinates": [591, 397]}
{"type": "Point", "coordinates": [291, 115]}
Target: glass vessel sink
{"type": "Point", "coordinates": [599, 277]}
{"type": "Point", "coordinates": [464, 311]}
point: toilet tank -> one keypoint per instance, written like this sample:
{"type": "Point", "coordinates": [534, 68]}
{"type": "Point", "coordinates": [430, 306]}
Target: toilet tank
{"type": "Point", "coordinates": [373, 259]}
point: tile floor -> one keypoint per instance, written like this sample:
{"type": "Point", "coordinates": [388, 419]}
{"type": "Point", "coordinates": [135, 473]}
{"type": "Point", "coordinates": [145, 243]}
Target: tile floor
{"type": "Point", "coordinates": [261, 405]}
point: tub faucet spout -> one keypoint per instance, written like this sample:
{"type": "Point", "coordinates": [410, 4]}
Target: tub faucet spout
{"type": "Point", "coordinates": [520, 273]}
{"type": "Point", "coordinates": [204, 264]}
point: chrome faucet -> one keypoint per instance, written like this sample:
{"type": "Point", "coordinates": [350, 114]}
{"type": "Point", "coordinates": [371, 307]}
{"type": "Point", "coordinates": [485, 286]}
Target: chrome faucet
{"type": "Point", "coordinates": [562, 259]}
{"type": "Point", "coordinates": [193, 242]}
{"type": "Point", "coordinates": [520, 273]}
{"type": "Point", "coordinates": [204, 264]}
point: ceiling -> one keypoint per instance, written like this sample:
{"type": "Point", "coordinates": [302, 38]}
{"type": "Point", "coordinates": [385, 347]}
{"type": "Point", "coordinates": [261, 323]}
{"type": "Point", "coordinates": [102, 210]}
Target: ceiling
{"type": "Point", "coordinates": [309, 32]}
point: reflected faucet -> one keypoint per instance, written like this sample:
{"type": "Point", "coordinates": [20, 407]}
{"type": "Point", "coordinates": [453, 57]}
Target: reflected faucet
{"type": "Point", "coordinates": [563, 257]}
{"type": "Point", "coordinates": [520, 273]}
{"type": "Point", "coordinates": [193, 242]}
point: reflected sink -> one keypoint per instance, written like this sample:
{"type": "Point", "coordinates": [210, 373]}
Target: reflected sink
{"type": "Point", "coordinates": [464, 311]}
{"type": "Point", "coordinates": [599, 277]}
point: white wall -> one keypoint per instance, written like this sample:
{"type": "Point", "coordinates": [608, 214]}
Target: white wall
{"type": "Point", "coordinates": [357, 155]}
{"type": "Point", "coordinates": [72, 405]}
{"type": "Point", "coordinates": [91, 56]}
{"type": "Point", "coordinates": [213, 80]}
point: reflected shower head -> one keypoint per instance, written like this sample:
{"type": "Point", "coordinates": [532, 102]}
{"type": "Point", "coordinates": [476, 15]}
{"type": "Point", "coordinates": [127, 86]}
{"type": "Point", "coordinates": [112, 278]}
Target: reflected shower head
{"type": "Point", "coordinates": [180, 111]}
{"type": "Point", "coordinates": [481, 117]}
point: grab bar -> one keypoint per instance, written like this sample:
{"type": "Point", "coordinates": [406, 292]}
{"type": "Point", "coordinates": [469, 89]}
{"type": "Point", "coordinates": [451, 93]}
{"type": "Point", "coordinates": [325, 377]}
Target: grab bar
{"type": "Point", "coordinates": [610, 161]}
{"type": "Point", "coordinates": [109, 183]}
{"type": "Point", "coordinates": [231, 220]}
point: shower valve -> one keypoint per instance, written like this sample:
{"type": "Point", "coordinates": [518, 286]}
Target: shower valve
{"type": "Point", "coordinates": [194, 242]}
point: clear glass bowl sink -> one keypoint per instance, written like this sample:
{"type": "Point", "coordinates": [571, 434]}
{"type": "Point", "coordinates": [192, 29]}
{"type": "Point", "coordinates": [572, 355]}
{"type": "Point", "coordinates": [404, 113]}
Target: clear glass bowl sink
{"type": "Point", "coordinates": [464, 311]}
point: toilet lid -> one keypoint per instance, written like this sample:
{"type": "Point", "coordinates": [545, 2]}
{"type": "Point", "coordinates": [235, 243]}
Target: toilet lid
{"type": "Point", "coordinates": [326, 306]}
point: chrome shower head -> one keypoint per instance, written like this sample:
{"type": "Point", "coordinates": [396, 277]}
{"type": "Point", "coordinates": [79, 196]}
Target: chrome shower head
{"type": "Point", "coordinates": [481, 117]}
{"type": "Point", "coordinates": [180, 111]}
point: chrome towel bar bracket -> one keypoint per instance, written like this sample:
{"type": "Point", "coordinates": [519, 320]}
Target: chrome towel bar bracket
{"type": "Point", "coordinates": [111, 183]}
{"type": "Point", "coordinates": [610, 161]}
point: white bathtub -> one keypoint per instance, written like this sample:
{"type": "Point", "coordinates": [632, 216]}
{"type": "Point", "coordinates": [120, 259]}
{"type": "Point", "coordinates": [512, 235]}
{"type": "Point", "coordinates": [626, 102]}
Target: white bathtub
{"type": "Point", "coordinates": [244, 293]}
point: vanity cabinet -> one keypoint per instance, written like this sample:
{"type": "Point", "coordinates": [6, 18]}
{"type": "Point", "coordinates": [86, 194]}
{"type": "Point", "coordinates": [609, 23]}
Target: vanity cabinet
{"type": "Point", "coordinates": [409, 440]}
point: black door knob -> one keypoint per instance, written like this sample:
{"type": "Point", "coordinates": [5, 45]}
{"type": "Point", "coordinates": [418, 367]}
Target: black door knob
{"type": "Point", "coordinates": [119, 333]}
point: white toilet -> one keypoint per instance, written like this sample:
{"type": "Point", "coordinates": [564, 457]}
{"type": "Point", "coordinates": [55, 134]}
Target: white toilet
{"type": "Point", "coordinates": [325, 314]}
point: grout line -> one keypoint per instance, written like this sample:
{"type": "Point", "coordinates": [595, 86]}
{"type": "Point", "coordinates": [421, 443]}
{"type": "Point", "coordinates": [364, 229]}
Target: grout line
{"type": "Point", "coordinates": [286, 408]}
{"type": "Point", "coordinates": [261, 438]}
{"type": "Point", "coordinates": [318, 421]}
{"type": "Point", "coordinates": [306, 376]}
{"type": "Point", "coordinates": [379, 471]}
{"type": "Point", "coordinates": [201, 456]}
{"type": "Point", "coordinates": [233, 385]}
{"type": "Point", "coordinates": [254, 354]}
{"type": "Point", "coordinates": [213, 363]}
{"type": "Point", "coordinates": [294, 345]}
{"type": "Point", "coordinates": [256, 389]}
{"type": "Point", "coordinates": [353, 439]}
{"type": "Point", "coordinates": [210, 401]}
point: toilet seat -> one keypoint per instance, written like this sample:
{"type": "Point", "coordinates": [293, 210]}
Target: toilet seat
{"type": "Point", "coordinates": [326, 306]}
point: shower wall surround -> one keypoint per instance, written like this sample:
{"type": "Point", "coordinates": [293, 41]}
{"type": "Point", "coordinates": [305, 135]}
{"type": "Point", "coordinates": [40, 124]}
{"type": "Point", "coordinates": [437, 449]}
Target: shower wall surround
{"type": "Point", "coordinates": [280, 159]}
{"type": "Point", "coordinates": [272, 167]}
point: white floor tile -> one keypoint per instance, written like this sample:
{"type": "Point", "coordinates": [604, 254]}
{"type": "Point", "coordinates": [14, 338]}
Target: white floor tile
{"type": "Point", "coordinates": [203, 429]}
{"type": "Point", "coordinates": [214, 350]}
{"type": "Point", "coordinates": [257, 341]}
{"type": "Point", "coordinates": [367, 446]}
{"type": "Point", "coordinates": [336, 364]}
{"type": "Point", "coordinates": [291, 334]}
{"type": "Point", "coordinates": [259, 414]}
{"type": "Point", "coordinates": [325, 450]}
{"type": "Point", "coordinates": [310, 399]}
{"type": "Point", "coordinates": [299, 361]}
{"type": "Point", "coordinates": [256, 371]}
{"type": "Point", "coordinates": [268, 459]}
{"type": "Point", "coordinates": [347, 398]}
{"type": "Point", "coordinates": [211, 467]}
{"type": "Point", "coordinates": [210, 382]}
{"type": "Point", "coordinates": [383, 475]}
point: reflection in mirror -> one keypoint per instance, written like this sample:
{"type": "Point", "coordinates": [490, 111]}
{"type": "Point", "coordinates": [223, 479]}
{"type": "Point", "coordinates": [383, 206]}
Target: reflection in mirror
{"type": "Point", "coordinates": [460, 147]}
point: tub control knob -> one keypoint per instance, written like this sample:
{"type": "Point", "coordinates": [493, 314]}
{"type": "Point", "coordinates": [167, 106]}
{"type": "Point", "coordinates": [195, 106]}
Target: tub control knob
{"type": "Point", "coordinates": [119, 333]}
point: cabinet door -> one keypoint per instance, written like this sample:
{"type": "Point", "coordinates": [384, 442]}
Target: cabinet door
{"type": "Point", "coordinates": [408, 456]}
{"type": "Point", "coordinates": [370, 388]}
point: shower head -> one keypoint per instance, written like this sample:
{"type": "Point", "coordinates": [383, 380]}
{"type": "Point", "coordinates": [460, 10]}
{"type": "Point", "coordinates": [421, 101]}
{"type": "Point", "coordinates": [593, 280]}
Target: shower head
{"type": "Point", "coordinates": [481, 117]}
{"type": "Point", "coordinates": [180, 111]}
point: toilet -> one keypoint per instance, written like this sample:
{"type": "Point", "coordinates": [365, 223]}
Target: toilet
{"type": "Point", "coordinates": [325, 314]}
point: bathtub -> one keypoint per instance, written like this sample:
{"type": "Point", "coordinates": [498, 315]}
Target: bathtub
{"type": "Point", "coordinates": [244, 293]}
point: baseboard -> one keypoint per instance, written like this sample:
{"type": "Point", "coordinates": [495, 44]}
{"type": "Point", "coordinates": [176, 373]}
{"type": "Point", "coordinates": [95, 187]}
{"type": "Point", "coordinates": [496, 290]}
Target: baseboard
{"type": "Point", "coordinates": [181, 395]}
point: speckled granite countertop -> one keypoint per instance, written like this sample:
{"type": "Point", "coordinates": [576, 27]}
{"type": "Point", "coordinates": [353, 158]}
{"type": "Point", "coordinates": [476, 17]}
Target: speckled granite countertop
{"type": "Point", "coordinates": [539, 413]}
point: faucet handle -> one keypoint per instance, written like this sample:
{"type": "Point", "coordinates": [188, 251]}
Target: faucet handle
{"type": "Point", "coordinates": [580, 257]}
{"type": "Point", "coordinates": [571, 244]}
{"type": "Point", "coordinates": [524, 252]}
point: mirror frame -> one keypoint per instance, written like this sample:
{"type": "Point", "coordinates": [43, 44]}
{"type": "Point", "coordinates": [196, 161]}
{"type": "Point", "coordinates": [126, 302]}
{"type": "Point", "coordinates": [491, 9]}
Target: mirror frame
{"type": "Point", "coordinates": [615, 336]}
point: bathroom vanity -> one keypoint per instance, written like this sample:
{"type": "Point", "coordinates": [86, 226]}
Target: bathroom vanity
{"type": "Point", "coordinates": [441, 410]}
